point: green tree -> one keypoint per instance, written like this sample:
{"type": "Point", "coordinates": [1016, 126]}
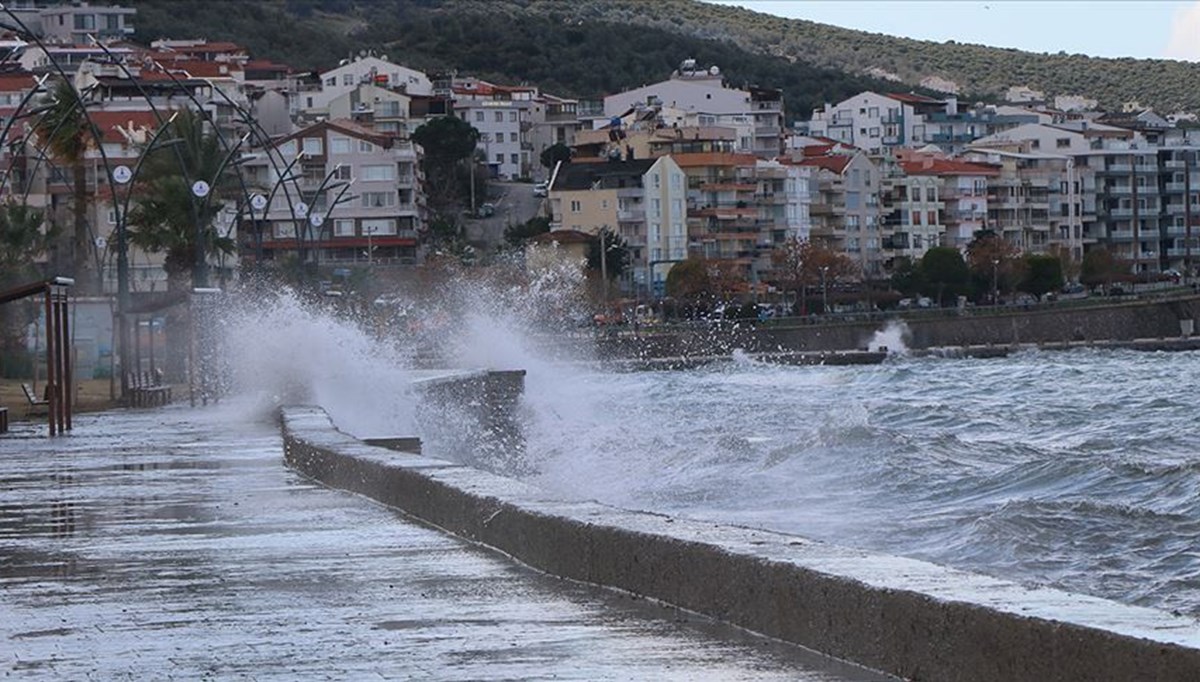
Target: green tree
{"type": "Point", "coordinates": [615, 253]}
{"type": "Point", "coordinates": [22, 241]}
{"type": "Point", "coordinates": [906, 277]}
{"type": "Point", "coordinates": [1043, 274]}
{"type": "Point", "coordinates": [447, 141]}
{"type": "Point", "coordinates": [519, 234]}
{"type": "Point", "coordinates": [554, 153]}
{"type": "Point", "coordinates": [168, 218]}
{"type": "Point", "coordinates": [943, 267]}
{"type": "Point", "coordinates": [64, 130]}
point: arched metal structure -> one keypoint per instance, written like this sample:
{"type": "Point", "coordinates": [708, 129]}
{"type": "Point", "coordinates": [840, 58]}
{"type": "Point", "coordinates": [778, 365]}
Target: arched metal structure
{"type": "Point", "coordinates": [247, 136]}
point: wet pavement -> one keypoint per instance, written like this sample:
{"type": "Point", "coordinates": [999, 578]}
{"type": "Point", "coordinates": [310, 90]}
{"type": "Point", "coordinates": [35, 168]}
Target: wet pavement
{"type": "Point", "coordinates": [173, 543]}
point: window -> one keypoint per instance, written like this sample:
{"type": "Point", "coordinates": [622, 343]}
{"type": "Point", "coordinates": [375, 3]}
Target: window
{"type": "Point", "coordinates": [1035, 144]}
{"type": "Point", "coordinates": [331, 81]}
{"type": "Point", "coordinates": [677, 206]}
{"type": "Point", "coordinates": [515, 158]}
{"type": "Point", "coordinates": [365, 147]}
{"type": "Point", "coordinates": [654, 232]}
{"type": "Point", "coordinates": [575, 206]}
{"type": "Point", "coordinates": [113, 22]}
{"type": "Point", "coordinates": [378, 200]}
{"type": "Point", "coordinates": [379, 173]}
{"type": "Point", "coordinates": [85, 22]}
{"type": "Point", "coordinates": [931, 218]}
{"type": "Point", "coordinates": [285, 230]}
{"type": "Point", "coordinates": [512, 117]}
{"type": "Point", "coordinates": [479, 117]}
{"type": "Point", "coordinates": [343, 227]}
{"type": "Point", "coordinates": [1062, 142]}
{"type": "Point", "coordinates": [873, 112]}
{"type": "Point", "coordinates": [347, 79]}
{"type": "Point", "coordinates": [112, 216]}
{"type": "Point", "coordinates": [499, 117]}
{"type": "Point", "coordinates": [308, 102]}
{"type": "Point", "coordinates": [288, 149]}
{"type": "Point", "coordinates": [916, 217]}
{"type": "Point", "coordinates": [655, 206]}
{"type": "Point", "coordinates": [676, 181]}
{"type": "Point", "coordinates": [377, 226]}
{"type": "Point", "coordinates": [339, 145]}
{"type": "Point", "coordinates": [341, 173]}
{"type": "Point", "coordinates": [499, 158]}
{"type": "Point", "coordinates": [314, 146]}
{"type": "Point", "coordinates": [514, 137]}
{"type": "Point", "coordinates": [874, 132]}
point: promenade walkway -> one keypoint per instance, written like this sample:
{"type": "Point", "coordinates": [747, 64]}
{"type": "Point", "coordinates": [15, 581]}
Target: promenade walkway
{"type": "Point", "coordinates": [173, 543]}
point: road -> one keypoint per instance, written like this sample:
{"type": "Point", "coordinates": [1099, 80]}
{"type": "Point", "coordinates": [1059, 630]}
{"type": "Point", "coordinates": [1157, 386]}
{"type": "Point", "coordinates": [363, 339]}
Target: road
{"type": "Point", "coordinates": [514, 203]}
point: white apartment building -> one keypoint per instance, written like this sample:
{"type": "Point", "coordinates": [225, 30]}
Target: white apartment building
{"type": "Point", "coordinates": [698, 97]}
{"type": "Point", "coordinates": [374, 70]}
{"type": "Point", "coordinates": [504, 117]}
{"type": "Point", "coordinates": [877, 123]}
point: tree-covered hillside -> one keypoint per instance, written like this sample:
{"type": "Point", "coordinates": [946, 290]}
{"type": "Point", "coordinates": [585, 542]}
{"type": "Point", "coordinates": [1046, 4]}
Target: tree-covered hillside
{"type": "Point", "coordinates": [588, 48]}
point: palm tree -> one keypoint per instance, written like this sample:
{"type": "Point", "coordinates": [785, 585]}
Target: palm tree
{"type": "Point", "coordinates": [66, 132]}
{"type": "Point", "coordinates": [22, 240]}
{"type": "Point", "coordinates": [169, 219]}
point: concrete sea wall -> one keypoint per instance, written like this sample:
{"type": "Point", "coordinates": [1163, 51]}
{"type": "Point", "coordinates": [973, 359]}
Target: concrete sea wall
{"type": "Point", "coordinates": [909, 618]}
{"type": "Point", "coordinates": [1134, 319]}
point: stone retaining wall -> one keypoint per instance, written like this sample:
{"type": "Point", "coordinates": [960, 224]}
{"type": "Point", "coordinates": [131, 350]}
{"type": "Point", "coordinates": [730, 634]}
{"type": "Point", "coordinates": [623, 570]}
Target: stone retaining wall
{"type": "Point", "coordinates": [905, 617]}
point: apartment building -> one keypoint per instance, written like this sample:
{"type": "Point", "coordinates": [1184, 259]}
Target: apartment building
{"type": "Point", "coordinates": [846, 210]}
{"type": "Point", "coordinates": [504, 117]}
{"type": "Point", "coordinates": [942, 202]}
{"type": "Point", "coordinates": [363, 69]}
{"type": "Point", "coordinates": [338, 192]}
{"type": "Point", "coordinates": [642, 201]}
{"type": "Point", "coordinates": [699, 97]}
{"type": "Point", "coordinates": [1035, 202]}
{"type": "Point", "coordinates": [77, 23]}
{"type": "Point", "coordinates": [879, 123]}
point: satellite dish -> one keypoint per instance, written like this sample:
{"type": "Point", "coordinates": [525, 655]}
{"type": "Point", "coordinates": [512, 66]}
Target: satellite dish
{"type": "Point", "coordinates": [714, 71]}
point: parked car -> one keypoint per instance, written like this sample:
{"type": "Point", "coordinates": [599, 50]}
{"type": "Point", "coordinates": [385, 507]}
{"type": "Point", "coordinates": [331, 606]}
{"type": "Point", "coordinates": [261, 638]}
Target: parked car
{"type": "Point", "coordinates": [541, 189]}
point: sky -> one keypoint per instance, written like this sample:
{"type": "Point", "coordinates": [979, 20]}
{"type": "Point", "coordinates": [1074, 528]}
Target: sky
{"type": "Point", "coordinates": [1160, 29]}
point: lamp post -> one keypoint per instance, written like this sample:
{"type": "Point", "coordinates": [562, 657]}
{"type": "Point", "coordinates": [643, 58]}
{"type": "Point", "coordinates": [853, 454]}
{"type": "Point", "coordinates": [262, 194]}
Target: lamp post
{"type": "Point", "coordinates": [995, 265]}
{"type": "Point", "coordinates": [824, 290]}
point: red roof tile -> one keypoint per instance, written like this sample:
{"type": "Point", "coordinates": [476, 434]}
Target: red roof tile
{"type": "Point", "coordinates": [932, 166]}
{"type": "Point", "coordinates": [837, 164]}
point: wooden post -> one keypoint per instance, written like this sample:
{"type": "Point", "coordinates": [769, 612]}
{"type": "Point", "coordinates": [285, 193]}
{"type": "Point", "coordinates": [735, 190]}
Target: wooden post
{"type": "Point", "coordinates": [67, 375]}
{"type": "Point", "coordinates": [51, 362]}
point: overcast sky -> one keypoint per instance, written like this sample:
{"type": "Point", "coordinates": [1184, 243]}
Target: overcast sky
{"type": "Point", "coordinates": [1112, 28]}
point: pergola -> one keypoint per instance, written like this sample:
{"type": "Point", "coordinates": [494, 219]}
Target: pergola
{"type": "Point", "coordinates": [58, 357]}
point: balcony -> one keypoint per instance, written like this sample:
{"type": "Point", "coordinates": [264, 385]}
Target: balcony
{"type": "Point", "coordinates": [1119, 168]}
{"type": "Point", "coordinates": [628, 216]}
{"type": "Point", "coordinates": [892, 139]}
{"type": "Point", "coordinates": [1120, 235]}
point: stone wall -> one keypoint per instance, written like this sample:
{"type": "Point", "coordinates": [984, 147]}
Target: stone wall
{"type": "Point", "coordinates": [905, 617]}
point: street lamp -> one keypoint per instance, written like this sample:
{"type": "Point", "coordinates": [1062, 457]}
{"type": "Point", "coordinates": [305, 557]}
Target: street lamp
{"type": "Point", "coordinates": [995, 265]}
{"type": "Point", "coordinates": [824, 290]}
